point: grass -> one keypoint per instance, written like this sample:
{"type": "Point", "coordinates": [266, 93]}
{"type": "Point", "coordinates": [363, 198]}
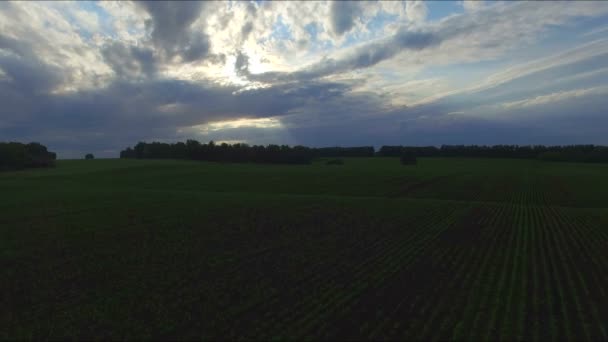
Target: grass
{"type": "Point", "coordinates": [117, 249]}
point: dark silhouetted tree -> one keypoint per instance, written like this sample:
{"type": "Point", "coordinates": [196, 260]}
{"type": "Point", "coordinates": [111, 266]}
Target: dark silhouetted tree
{"type": "Point", "coordinates": [15, 156]}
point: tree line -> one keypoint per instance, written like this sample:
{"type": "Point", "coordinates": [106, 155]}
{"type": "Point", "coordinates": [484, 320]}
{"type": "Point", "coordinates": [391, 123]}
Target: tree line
{"type": "Point", "coordinates": [18, 156]}
{"type": "Point", "coordinates": [243, 153]}
{"type": "Point", "coordinates": [15, 155]}
{"type": "Point", "coordinates": [568, 153]}
{"type": "Point", "coordinates": [284, 154]}
{"type": "Point", "coordinates": [277, 154]}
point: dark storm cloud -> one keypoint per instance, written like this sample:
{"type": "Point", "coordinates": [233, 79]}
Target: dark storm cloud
{"type": "Point", "coordinates": [166, 103]}
{"type": "Point", "coordinates": [252, 9]}
{"type": "Point", "coordinates": [197, 47]}
{"type": "Point", "coordinates": [252, 13]}
{"type": "Point", "coordinates": [171, 20]}
{"type": "Point", "coordinates": [16, 46]}
{"type": "Point", "coordinates": [171, 29]}
{"type": "Point", "coordinates": [126, 111]}
{"type": "Point", "coordinates": [129, 61]}
{"type": "Point", "coordinates": [343, 15]}
{"type": "Point", "coordinates": [28, 73]}
{"type": "Point", "coordinates": [410, 127]}
{"type": "Point", "coordinates": [246, 30]}
{"type": "Point", "coordinates": [241, 64]}
{"type": "Point", "coordinates": [171, 40]}
{"type": "Point", "coordinates": [363, 56]}
{"type": "Point", "coordinates": [373, 54]}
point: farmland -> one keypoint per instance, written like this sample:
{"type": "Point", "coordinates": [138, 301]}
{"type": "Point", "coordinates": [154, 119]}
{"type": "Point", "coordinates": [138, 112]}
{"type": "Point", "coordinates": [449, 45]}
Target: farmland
{"type": "Point", "coordinates": [451, 248]}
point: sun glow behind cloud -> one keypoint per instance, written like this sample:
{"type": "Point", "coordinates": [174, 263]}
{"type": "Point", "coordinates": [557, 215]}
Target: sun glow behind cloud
{"type": "Point", "coordinates": [262, 123]}
{"type": "Point", "coordinates": [230, 73]}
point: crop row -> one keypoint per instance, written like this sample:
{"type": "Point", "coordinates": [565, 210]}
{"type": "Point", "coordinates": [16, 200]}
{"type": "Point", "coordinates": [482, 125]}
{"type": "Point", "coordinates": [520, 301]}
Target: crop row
{"type": "Point", "coordinates": [442, 271]}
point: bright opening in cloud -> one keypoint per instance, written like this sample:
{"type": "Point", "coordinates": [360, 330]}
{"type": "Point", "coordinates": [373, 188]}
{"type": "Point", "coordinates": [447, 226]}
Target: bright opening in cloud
{"type": "Point", "coordinates": [240, 123]}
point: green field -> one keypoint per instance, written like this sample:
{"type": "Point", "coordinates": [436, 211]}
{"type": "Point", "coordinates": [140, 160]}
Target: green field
{"type": "Point", "coordinates": [446, 249]}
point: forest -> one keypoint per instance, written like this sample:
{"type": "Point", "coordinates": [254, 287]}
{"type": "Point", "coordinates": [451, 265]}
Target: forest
{"type": "Point", "coordinates": [17, 156]}
{"type": "Point", "coordinates": [284, 154]}
{"type": "Point", "coordinates": [275, 154]}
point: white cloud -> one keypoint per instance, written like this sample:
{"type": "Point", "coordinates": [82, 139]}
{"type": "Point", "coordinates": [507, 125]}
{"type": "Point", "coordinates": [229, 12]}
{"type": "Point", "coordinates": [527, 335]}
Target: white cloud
{"type": "Point", "coordinates": [554, 97]}
{"type": "Point", "coordinates": [573, 55]}
{"type": "Point", "coordinates": [128, 21]}
{"type": "Point", "coordinates": [473, 5]}
{"type": "Point", "coordinates": [88, 20]}
{"type": "Point", "coordinates": [393, 7]}
{"type": "Point", "coordinates": [595, 31]}
{"type": "Point", "coordinates": [577, 54]}
{"type": "Point", "coordinates": [579, 76]}
{"type": "Point", "coordinates": [43, 31]}
{"type": "Point", "coordinates": [416, 11]}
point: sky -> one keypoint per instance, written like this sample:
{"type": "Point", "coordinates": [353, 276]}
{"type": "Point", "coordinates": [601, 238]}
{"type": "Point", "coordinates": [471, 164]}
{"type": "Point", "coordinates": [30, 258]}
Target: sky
{"type": "Point", "coordinates": [95, 77]}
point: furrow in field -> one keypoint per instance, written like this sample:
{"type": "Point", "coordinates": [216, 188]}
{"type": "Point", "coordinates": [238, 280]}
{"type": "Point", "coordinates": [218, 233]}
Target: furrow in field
{"type": "Point", "coordinates": [508, 328]}
{"type": "Point", "coordinates": [532, 314]}
{"type": "Point", "coordinates": [487, 289]}
{"type": "Point", "coordinates": [597, 231]}
{"type": "Point", "coordinates": [525, 299]}
{"type": "Point", "coordinates": [572, 310]}
{"type": "Point", "coordinates": [472, 303]}
{"type": "Point", "coordinates": [560, 314]}
{"type": "Point", "coordinates": [542, 320]}
{"type": "Point", "coordinates": [393, 261]}
{"type": "Point", "coordinates": [458, 293]}
{"type": "Point", "coordinates": [326, 284]}
{"type": "Point", "coordinates": [426, 288]}
{"type": "Point", "coordinates": [417, 310]}
{"type": "Point", "coordinates": [506, 256]}
{"type": "Point", "coordinates": [310, 278]}
{"type": "Point", "coordinates": [404, 288]}
{"type": "Point", "coordinates": [581, 270]}
{"type": "Point", "coordinates": [593, 247]}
